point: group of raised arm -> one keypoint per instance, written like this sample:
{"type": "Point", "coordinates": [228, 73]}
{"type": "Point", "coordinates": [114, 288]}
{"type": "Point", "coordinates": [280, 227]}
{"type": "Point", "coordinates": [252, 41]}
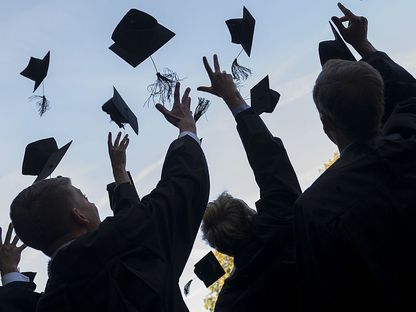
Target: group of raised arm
{"type": "Point", "coordinates": [345, 244]}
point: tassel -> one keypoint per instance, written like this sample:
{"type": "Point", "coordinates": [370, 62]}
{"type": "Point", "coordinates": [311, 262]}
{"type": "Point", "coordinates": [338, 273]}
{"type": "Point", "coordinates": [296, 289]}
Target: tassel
{"type": "Point", "coordinates": [162, 89]}
{"type": "Point", "coordinates": [201, 108]}
{"type": "Point", "coordinates": [239, 72]}
{"type": "Point", "coordinates": [186, 288]}
{"type": "Point", "coordinates": [42, 103]}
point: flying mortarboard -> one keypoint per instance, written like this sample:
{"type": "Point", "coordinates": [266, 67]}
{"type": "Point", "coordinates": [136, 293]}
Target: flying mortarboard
{"type": "Point", "coordinates": [208, 270]}
{"type": "Point", "coordinates": [42, 157]}
{"type": "Point", "coordinates": [242, 32]}
{"type": "Point", "coordinates": [264, 99]}
{"type": "Point", "coordinates": [334, 49]}
{"type": "Point", "coordinates": [36, 70]}
{"type": "Point", "coordinates": [136, 38]}
{"type": "Point", "coordinates": [119, 112]}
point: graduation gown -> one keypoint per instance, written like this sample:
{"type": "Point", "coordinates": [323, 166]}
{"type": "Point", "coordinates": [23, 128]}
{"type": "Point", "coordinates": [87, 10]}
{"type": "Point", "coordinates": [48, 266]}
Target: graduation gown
{"type": "Point", "coordinates": [355, 226]}
{"type": "Point", "coordinates": [19, 296]}
{"type": "Point", "coordinates": [134, 260]}
{"type": "Point", "coordinates": [264, 277]}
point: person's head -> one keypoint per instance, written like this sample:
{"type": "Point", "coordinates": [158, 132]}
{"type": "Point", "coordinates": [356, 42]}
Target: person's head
{"type": "Point", "coordinates": [51, 212]}
{"type": "Point", "coordinates": [350, 99]}
{"type": "Point", "coordinates": [226, 223]}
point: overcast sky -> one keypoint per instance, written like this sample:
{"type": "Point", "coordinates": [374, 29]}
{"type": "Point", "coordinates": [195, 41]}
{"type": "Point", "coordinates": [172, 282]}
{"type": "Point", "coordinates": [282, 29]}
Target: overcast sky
{"type": "Point", "coordinates": [83, 71]}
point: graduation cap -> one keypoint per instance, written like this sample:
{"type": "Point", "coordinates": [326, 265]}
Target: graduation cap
{"type": "Point", "coordinates": [136, 38]}
{"type": "Point", "coordinates": [119, 112]}
{"type": "Point", "coordinates": [201, 108]}
{"type": "Point", "coordinates": [242, 32]}
{"type": "Point", "coordinates": [42, 157]}
{"type": "Point", "coordinates": [36, 70]}
{"type": "Point", "coordinates": [334, 49]}
{"type": "Point", "coordinates": [264, 99]}
{"type": "Point", "coordinates": [208, 270]}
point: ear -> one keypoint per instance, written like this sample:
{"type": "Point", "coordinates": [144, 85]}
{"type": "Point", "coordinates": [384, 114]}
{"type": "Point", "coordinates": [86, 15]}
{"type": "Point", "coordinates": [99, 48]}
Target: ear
{"type": "Point", "coordinates": [79, 217]}
{"type": "Point", "coordinates": [329, 128]}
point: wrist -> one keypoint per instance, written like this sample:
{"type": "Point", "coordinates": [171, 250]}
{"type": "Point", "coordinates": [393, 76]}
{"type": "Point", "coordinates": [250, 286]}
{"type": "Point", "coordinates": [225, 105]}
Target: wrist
{"type": "Point", "coordinates": [9, 269]}
{"type": "Point", "coordinates": [365, 48]}
{"type": "Point", "coordinates": [188, 129]}
{"type": "Point", "coordinates": [234, 101]}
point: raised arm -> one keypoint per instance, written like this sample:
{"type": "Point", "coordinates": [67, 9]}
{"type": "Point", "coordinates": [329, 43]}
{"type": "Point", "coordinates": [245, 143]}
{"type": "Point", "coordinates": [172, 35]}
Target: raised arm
{"type": "Point", "coordinates": [274, 174]}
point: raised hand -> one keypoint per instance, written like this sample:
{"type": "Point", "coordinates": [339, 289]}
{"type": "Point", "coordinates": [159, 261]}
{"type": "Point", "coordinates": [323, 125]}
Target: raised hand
{"type": "Point", "coordinates": [222, 84]}
{"type": "Point", "coordinates": [117, 152]}
{"type": "Point", "coordinates": [356, 31]}
{"type": "Point", "coordinates": [10, 253]}
{"type": "Point", "coordinates": [180, 116]}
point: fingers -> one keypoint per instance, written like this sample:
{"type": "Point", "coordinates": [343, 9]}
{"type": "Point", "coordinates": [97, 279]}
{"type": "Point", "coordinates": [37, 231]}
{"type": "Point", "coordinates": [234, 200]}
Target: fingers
{"type": "Point", "coordinates": [15, 240]}
{"type": "Point", "coordinates": [110, 140]}
{"type": "Point", "coordinates": [207, 67]}
{"type": "Point", "coordinates": [185, 97]}
{"type": "Point", "coordinates": [216, 64]}
{"type": "Point", "coordinates": [116, 142]}
{"type": "Point", "coordinates": [344, 10]}
{"type": "Point", "coordinates": [338, 23]}
{"type": "Point", "coordinates": [21, 248]}
{"type": "Point", "coordinates": [8, 234]}
{"type": "Point", "coordinates": [167, 114]}
{"type": "Point", "coordinates": [124, 143]}
{"type": "Point", "coordinates": [176, 95]}
{"type": "Point", "coordinates": [1, 237]}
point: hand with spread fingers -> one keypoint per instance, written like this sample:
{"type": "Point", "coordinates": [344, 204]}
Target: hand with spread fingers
{"type": "Point", "coordinates": [10, 253]}
{"type": "Point", "coordinates": [117, 152]}
{"type": "Point", "coordinates": [222, 84]}
{"type": "Point", "coordinates": [356, 31]}
{"type": "Point", "coordinates": [180, 116]}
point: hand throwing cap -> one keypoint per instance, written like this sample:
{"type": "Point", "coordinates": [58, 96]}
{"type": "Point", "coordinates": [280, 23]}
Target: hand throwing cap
{"type": "Point", "coordinates": [42, 157]}
{"type": "Point", "coordinates": [264, 99]}
{"type": "Point", "coordinates": [208, 269]}
{"type": "Point", "coordinates": [37, 69]}
{"type": "Point", "coordinates": [119, 112]}
{"type": "Point", "coordinates": [242, 30]}
{"type": "Point", "coordinates": [334, 49]}
{"type": "Point", "coordinates": [138, 36]}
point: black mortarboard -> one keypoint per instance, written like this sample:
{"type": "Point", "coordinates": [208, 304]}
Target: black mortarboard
{"type": "Point", "coordinates": [208, 269]}
{"type": "Point", "coordinates": [119, 112]}
{"type": "Point", "coordinates": [37, 69]}
{"type": "Point", "coordinates": [138, 36]}
{"type": "Point", "coordinates": [334, 49]}
{"type": "Point", "coordinates": [264, 99]}
{"type": "Point", "coordinates": [42, 157]}
{"type": "Point", "coordinates": [242, 30]}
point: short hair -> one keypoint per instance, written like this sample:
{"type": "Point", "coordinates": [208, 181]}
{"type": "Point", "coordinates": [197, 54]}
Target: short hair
{"type": "Point", "coordinates": [351, 94]}
{"type": "Point", "coordinates": [40, 212]}
{"type": "Point", "coordinates": [226, 223]}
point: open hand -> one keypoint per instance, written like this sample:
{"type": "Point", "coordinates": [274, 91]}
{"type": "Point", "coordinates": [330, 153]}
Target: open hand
{"type": "Point", "coordinates": [222, 84]}
{"type": "Point", "coordinates": [10, 253]}
{"type": "Point", "coordinates": [117, 152]}
{"type": "Point", "coordinates": [180, 116]}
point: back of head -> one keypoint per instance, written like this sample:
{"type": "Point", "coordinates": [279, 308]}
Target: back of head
{"type": "Point", "coordinates": [40, 213]}
{"type": "Point", "coordinates": [351, 95]}
{"type": "Point", "coordinates": [226, 223]}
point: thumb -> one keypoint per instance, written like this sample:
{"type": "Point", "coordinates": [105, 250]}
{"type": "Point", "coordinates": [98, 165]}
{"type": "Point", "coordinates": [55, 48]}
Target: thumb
{"type": "Point", "coordinates": [205, 89]}
{"type": "Point", "coordinates": [168, 115]}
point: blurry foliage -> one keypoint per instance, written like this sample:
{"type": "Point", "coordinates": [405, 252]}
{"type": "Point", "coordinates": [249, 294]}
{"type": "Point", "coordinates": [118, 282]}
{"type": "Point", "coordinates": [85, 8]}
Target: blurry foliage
{"type": "Point", "coordinates": [227, 263]}
{"type": "Point", "coordinates": [330, 162]}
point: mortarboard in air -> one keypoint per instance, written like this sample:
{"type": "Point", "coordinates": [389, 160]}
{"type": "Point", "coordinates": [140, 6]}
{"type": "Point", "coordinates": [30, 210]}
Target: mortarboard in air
{"type": "Point", "coordinates": [42, 157]}
{"type": "Point", "coordinates": [334, 49]}
{"type": "Point", "coordinates": [264, 99]}
{"type": "Point", "coordinates": [201, 108]}
{"type": "Point", "coordinates": [36, 70]}
{"type": "Point", "coordinates": [242, 32]}
{"type": "Point", "coordinates": [208, 270]}
{"type": "Point", "coordinates": [136, 38]}
{"type": "Point", "coordinates": [119, 112]}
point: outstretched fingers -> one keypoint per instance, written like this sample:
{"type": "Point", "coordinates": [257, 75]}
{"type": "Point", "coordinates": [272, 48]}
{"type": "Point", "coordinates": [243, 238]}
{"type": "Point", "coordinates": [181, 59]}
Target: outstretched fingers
{"type": "Point", "coordinates": [8, 234]}
{"type": "Point", "coordinates": [216, 65]}
{"type": "Point", "coordinates": [344, 10]}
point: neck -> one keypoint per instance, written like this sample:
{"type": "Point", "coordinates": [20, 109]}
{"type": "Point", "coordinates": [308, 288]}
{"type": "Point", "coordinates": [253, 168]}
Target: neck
{"type": "Point", "coordinates": [53, 248]}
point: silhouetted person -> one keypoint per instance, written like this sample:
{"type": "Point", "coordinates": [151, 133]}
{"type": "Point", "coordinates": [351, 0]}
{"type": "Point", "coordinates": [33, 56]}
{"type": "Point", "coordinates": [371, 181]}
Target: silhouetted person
{"type": "Point", "coordinates": [129, 262]}
{"type": "Point", "coordinates": [17, 293]}
{"type": "Point", "coordinates": [355, 226]}
{"type": "Point", "coordinates": [261, 242]}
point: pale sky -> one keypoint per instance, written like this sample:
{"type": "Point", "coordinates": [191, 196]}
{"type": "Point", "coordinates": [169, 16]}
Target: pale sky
{"type": "Point", "coordinates": [83, 71]}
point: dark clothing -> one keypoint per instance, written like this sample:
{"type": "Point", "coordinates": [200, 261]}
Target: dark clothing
{"type": "Point", "coordinates": [355, 226]}
{"type": "Point", "coordinates": [264, 275]}
{"type": "Point", "coordinates": [19, 296]}
{"type": "Point", "coordinates": [134, 260]}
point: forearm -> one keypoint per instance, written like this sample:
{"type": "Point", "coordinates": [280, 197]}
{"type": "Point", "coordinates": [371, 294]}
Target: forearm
{"type": "Point", "coordinates": [365, 49]}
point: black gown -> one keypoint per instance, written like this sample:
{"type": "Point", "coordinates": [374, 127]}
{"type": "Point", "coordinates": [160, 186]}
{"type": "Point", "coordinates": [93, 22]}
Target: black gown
{"type": "Point", "coordinates": [355, 226]}
{"type": "Point", "coordinates": [134, 260]}
{"type": "Point", "coordinates": [264, 278]}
